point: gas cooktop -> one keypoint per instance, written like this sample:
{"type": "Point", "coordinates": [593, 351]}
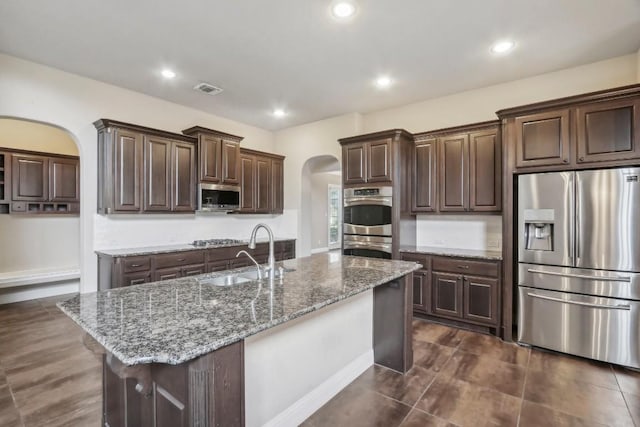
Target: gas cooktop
{"type": "Point", "coordinates": [216, 242]}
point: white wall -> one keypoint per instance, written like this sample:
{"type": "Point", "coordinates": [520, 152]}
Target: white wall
{"type": "Point", "coordinates": [301, 143]}
{"type": "Point", "coordinates": [460, 231]}
{"type": "Point", "coordinates": [34, 136]}
{"type": "Point", "coordinates": [44, 94]}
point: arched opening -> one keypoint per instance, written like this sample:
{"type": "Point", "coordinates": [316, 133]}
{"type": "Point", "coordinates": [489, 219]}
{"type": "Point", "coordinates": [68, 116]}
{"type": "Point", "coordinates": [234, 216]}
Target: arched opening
{"type": "Point", "coordinates": [39, 210]}
{"type": "Point", "coordinates": [321, 176]}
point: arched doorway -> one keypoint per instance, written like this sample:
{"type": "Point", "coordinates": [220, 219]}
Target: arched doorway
{"type": "Point", "coordinates": [42, 232]}
{"type": "Point", "coordinates": [318, 174]}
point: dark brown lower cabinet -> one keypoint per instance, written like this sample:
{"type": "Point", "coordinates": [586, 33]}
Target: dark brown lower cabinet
{"type": "Point", "coordinates": [207, 391]}
{"type": "Point", "coordinates": [118, 271]}
{"type": "Point", "coordinates": [422, 291]}
{"type": "Point", "coordinates": [447, 294]}
{"type": "Point", "coordinates": [481, 299]}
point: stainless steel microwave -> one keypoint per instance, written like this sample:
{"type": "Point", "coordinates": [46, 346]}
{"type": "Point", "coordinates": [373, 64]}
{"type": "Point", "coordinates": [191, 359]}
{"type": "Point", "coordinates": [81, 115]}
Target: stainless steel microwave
{"type": "Point", "coordinates": [218, 198]}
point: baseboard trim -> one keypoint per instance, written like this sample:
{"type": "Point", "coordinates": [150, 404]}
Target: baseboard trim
{"type": "Point", "coordinates": [319, 250]}
{"type": "Point", "coordinates": [304, 407]}
{"type": "Point", "coordinates": [25, 293]}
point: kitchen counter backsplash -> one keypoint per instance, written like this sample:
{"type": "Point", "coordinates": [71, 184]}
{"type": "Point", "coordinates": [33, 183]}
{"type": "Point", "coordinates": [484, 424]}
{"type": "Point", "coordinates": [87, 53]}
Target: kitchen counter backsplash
{"type": "Point", "coordinates": [152, 250]}
{"type": "Point", "coordinates": [454, 252]}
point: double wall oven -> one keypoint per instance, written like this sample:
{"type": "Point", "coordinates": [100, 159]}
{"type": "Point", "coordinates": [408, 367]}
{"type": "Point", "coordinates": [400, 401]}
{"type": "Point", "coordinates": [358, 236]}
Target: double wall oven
{"type": "Point", "coordinates": [367, 221]}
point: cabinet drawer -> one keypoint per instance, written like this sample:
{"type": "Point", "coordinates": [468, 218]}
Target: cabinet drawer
{"type": "Point", "coordinates": [193, 270]}
{"type": "Point", "coordinates": [421, 259]}
{"type": "Point", "coordinates": [136, 263]}
{"type": "Point", "coordinates": [136, 278]}
{"type": "Point", "coordinates": [167, 274]}
{"type": "Point", "coordinates": [179, 259]}
{"type": "Point", "coordinates": [465, 266]}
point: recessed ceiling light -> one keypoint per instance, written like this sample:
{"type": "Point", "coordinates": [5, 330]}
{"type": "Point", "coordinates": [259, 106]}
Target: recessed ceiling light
{"type": "Point", "coordinates": [279, 112]}
{"type": "Point", "coordinates": [383, 82]}
{"type": "Point", "coordinates": [168, 74]}
{"type": "Point", "coordinates": [343, 9]}
{"type": "Point", "coordinates": [503, 46]}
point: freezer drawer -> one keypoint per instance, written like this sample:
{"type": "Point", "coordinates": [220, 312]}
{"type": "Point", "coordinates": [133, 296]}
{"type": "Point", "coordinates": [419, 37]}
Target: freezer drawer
{"type": "Point", "coordinates": [611, 284]}
{"type": "Point", "coordinates": [598, 328]}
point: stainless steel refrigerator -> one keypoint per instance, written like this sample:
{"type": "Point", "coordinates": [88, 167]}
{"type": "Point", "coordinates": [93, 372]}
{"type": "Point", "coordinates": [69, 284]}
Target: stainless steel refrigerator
{"type": "Point", "coordinates": [579, 263]}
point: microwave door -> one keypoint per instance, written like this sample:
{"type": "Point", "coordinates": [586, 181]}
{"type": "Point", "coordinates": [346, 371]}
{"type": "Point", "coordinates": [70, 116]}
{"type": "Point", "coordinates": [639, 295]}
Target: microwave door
{"type": "Point", "coordinates": [607, 219]}
{"type": "Point", "coordinates": [546, 212]}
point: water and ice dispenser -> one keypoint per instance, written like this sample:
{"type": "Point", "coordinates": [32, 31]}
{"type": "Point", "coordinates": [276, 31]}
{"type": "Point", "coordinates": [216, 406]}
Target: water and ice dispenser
{"type": "Point", "coordinates": [538, 229]}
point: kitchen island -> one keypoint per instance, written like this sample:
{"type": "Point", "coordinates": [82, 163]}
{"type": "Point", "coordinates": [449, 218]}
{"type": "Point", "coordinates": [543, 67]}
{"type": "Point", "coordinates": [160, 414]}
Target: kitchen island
{"type": "Point", "coordinates": [187, 352]}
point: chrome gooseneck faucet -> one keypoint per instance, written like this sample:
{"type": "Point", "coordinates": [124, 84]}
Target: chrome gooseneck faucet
{"type": "Point", "coordinates": [252, 245]}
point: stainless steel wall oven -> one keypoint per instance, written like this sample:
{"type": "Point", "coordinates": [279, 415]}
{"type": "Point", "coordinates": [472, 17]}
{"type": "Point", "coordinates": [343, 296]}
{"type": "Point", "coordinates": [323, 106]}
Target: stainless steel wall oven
{"type": "Point", "coordinates": [367, 221]}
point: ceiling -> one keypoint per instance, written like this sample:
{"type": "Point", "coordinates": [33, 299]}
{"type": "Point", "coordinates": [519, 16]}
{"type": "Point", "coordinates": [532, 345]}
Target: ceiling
{"type": "Point", "coordinates": [292, 54]}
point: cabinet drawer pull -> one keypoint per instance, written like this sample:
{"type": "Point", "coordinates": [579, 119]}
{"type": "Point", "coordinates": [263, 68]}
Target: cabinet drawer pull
{"type": "Point", "coordinates": [180, 259]}
{"type": "Point", "coordinates": [464, 267]}
{"type": "Point", "coordinates": [136, 265]}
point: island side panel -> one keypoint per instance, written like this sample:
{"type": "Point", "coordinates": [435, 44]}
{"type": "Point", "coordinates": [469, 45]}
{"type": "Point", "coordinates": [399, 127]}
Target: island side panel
{"type": "Point", "coordinates": [207, 391]}
{"type": "Point", "coordinates": [392, 324]}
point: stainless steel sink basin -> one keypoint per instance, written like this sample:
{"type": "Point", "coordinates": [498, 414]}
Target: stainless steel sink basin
{"type": "Point", "coordinates": [236, 278]}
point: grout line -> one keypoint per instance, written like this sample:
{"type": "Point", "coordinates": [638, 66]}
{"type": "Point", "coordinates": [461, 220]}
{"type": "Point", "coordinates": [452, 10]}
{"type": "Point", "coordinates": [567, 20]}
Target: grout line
{"type": "Point", "coordinates": [624, 399]}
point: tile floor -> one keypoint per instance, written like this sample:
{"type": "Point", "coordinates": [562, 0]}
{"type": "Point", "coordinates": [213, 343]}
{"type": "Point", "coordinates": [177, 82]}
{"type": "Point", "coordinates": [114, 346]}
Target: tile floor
{"type": "Point", "coordinates": [48, 378]}
{"type": "Point", "coordinates": [468, 379]}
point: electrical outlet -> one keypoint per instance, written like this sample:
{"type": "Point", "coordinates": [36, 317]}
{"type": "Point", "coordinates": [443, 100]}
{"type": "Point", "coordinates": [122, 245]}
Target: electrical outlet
{"type": "Point", "coordinates": [493, 244]}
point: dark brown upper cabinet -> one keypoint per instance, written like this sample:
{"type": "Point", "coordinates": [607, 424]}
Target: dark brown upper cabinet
{"type": "Point", "coordinates": [454, 173]}
{"type": "Point", "coordinates": [542, 139]}
{"type": "Point", "coordinates": [219, 155]}
{"type": "Point", "coordinates": [485, 171]}
{"type": "Point", "coordinates": [458, 169]}
{"type": "Point", "coordinates": [64, 179]}
{"type": "Point", "coordinates": [261, 182]}
{"type": "Point", "coordinates": [144, 170]}
{"type": "Point", "coordinates": [30, 177]}
{"type": "Point", "coordinates": [606, 131]}
{"type": "Point", "coordinates": [378, 156]}
{"type": "Point", "coordinates": [424, 176]}
{"type": "Point", "coordinates": [354, 163]}
{"type": "Point", "coordinates": [367, 159]}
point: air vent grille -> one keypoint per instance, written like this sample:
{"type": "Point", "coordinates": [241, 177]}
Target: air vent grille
{"type": "Point", "coordinates": [207, 88]}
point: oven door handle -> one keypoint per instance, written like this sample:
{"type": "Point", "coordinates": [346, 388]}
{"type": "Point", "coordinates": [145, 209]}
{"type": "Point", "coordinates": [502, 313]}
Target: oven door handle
{"type": "Point", "coordinates": [582, 276]}
{"type": "Point", "coordinates": [373, 246]}
{"type": "Point", "coordinates": [363, 201]}
{"type": "Point", "coordinates": [584, 304]}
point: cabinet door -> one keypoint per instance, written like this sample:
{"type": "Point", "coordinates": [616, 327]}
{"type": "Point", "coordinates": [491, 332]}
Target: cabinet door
{"type": "Point", "coordinates": [454, 170]}
{"type": "Point", "coordinates": [183, 183]}
{"type": "Point", "coordinates": [542, 139]}
{"type": "Point", "coordinates": [608, 131]}
{"type": "Point", "coordinates": [447, 294]}
{"type": "Point", "coordinates": [167, 273]}
{"type": "Point", "coordinates": [424, 196]}
{"type": "Point", "coordinates": [128, 171]}
{"type": "Point", "coordinates": [485, 171]}
{"type": "Point", "coordinates": [221, 265]}
{"type": "Point", "coordinates": [210, 154]}
{"type": "Point", "coordinates": [157, 174]}
{"type": "Point", "coordinates": [230, 162]}
{"type": "Point", "coordinates": [277, 186]}
{"type": "Point", "coordinates": [379, 161]}
{"type": "Point", "coordinates": [193, 270]}
{"type": "Point", "coordinates": [263, 184]}
{"type": "Point", "coordinates": [422, 291]}
{"type": "Point", "coordinates": [138, 278]}
{"type": "Point", "coordinates": [30, 177]}
{"type": "Point", "coordinates": [64, 180]}
{"type": "Point", "coordinates": [247, 184]}
{"type": "Point", "coordinates": [354, 163]}
{"type": "Point", "coordinates": [481, 300]}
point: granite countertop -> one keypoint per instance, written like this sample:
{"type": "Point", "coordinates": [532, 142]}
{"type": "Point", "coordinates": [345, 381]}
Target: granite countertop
{"type": "Point", "coordinates": [174, 321]}
{"type": "Point", "coordinates": [462, 253]}
{"type": "Point", "coordinates": [153, 250]}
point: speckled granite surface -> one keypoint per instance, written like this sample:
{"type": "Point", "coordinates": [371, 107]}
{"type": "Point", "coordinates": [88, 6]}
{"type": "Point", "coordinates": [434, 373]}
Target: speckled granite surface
{"type": "Point", "coordinates": [462, 253]}
{"type": "Point", "coordinates": [152, 250]}
{"type": "Point", "coordinates": [174, 321]}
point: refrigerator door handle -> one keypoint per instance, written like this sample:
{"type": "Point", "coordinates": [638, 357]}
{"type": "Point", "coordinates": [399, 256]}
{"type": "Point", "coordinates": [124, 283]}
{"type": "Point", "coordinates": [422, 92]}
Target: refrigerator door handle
{"type": "Point", "coordinates": [577, 216]}
{"type": "Point", "coordinates": [572, 228]}
{"type": "Point", "coordinates": [583, 276]}
{"type": "Point", "coordinates": [584, 304]}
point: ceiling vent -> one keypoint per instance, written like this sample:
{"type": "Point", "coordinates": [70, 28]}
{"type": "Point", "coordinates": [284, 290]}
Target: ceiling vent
{"type": "Point", "coordinates": [207, 88]}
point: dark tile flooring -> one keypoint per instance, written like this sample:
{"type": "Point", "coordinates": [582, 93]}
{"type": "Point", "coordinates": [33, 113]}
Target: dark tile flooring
{"type": "Point", "coordinates": [468, 379]}
{"type": "Point", "coordinates": [48, 378]}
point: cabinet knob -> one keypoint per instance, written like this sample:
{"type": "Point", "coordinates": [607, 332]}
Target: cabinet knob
{"type": "Point", "coordinates": [464, 267]}
{"type": "Point", "coordinates": [581, 159]}
{"type": "Point", "coordinates": [565, 160]}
